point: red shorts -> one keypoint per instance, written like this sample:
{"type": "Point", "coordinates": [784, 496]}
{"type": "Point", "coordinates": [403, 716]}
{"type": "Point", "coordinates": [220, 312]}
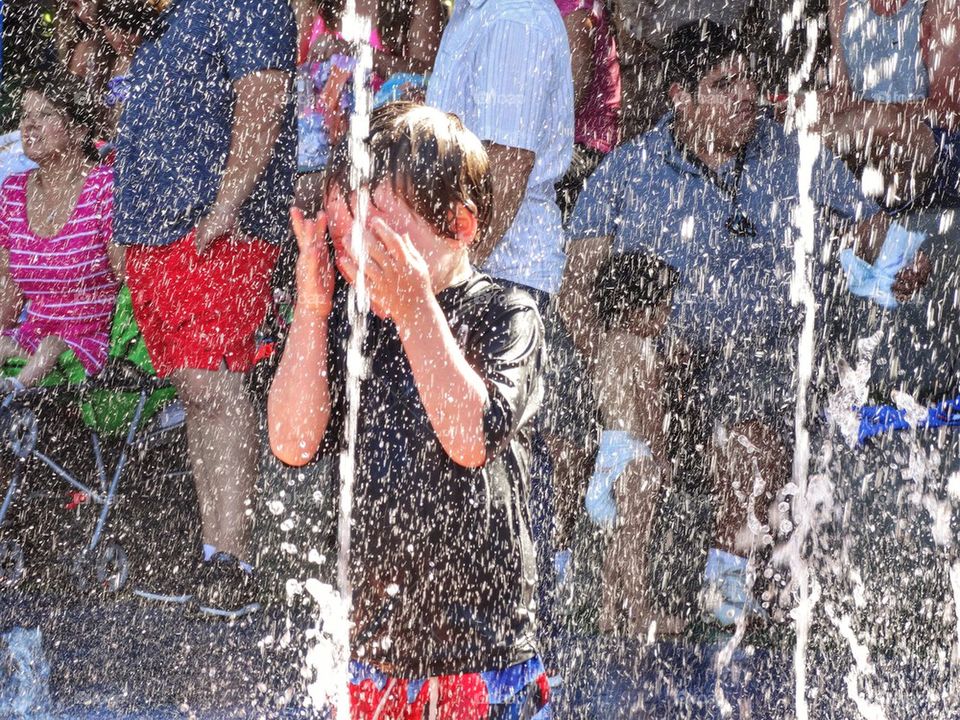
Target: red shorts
{"type": "Point", "coordinates": [201, 312]}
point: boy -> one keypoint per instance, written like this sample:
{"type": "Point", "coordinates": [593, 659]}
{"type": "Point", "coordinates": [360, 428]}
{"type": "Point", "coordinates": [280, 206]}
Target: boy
{"type": "Point", "coordinates": [442, 565]}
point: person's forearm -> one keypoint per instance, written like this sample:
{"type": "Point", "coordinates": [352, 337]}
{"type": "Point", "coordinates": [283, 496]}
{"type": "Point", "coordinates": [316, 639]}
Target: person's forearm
{"type": "Point", "coordinates": [258, 120]}
{"type": "Point", "coordinates": [298, 406]}
{"type": "Point", "coordinates": [10, 298]}
{"type": "Point", "coordinates": [452, 392]}
{"type": "Point", "coordinates": [867, 236]}
{"type": "Point", "coordinates": [580, 31]}
{"type": "Point", "coordinates": [42, 361]}
{"type": "Point", "coordinates": [575, 299]}
{"type": "Point", "coordinates": [10, 304]}
{"type": "Point", "coordinates": [510, 168]}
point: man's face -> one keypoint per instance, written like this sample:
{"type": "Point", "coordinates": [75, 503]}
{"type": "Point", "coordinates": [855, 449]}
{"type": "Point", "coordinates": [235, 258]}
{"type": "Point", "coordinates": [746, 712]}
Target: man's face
{"type": "Point", "coordinates": [723, 112]}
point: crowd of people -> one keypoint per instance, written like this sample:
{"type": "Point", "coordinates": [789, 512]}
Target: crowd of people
{"type": "Point", "coordinates": [579, 244]}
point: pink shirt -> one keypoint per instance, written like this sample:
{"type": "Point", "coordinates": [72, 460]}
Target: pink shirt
{"type": "Point", "coordinates": [67, 280]}
{"type": "Point", "coordinates": [597, 122]}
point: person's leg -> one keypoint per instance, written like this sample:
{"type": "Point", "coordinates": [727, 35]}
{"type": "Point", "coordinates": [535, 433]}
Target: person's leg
{"type": "Point", "coordinates": [750, 466]}
{"type": "Point", "coordinates": [627, 593]}
{"type": "Point", "coordinates": [10, 348]}
{"type": "Point", "coordinates": [627, 608]}
{"type": "Point", "coordinates": [223, 445]}
{"type": "Point", "coordinates": [42, 361]}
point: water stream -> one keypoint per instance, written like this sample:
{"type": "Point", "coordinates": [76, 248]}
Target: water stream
{"type": "Point", "coordinates": [330, 655]}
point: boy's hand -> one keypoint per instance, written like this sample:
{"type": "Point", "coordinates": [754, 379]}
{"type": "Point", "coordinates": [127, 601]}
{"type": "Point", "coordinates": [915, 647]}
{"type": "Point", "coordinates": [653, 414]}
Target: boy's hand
{"type": "Point", "coordinates": [315, 273]}
{"type": "Point", "coordinates": [397, 276]}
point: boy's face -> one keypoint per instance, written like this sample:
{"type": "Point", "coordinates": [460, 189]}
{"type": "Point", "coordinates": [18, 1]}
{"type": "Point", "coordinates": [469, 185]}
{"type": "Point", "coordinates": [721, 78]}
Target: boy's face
{"type": "Point", "coordinates": [441, 254]}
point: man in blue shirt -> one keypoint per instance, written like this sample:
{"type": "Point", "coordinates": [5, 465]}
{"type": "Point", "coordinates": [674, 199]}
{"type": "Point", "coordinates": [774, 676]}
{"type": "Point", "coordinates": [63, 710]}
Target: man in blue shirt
{"type": "Point", "coordinates": [204, 180]}
{"type": "Point", "coordinates": [712, 191]}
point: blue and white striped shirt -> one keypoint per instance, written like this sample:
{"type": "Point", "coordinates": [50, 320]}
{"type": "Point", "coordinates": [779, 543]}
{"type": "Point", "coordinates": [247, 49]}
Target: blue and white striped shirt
{"type": "Point", "coordinates": [504, 68]}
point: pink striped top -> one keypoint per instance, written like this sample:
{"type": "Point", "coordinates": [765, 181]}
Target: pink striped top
{"type": "Point", "coordinates": [67, 280]}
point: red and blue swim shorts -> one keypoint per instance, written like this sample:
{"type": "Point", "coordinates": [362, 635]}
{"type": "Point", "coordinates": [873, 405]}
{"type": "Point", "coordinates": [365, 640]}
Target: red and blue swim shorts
{"type": "Point", "coordinates": [519, 692]}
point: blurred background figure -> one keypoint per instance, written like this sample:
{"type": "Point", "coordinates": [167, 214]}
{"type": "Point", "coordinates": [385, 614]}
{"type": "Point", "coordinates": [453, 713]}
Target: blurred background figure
{"type": "Point", "coordinates": [123, 24]}
{"type": "Point", "coordinates": [633, 294]}
{"type": "Point", "coordinates": [205, 161]}
{"type": "Point", "coordinates": [405, 36]}
{"type": "Point", "coordinates": [596, 92]}
{"type": "Point", "coordinates": [893, 71]}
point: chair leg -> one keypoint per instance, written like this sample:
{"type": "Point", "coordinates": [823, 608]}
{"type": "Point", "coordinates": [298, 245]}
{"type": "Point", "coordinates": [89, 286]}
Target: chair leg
{"type": "Point", "coordinates": [121, 461]}
{"type": "Point", "coordinates": [15, 478]}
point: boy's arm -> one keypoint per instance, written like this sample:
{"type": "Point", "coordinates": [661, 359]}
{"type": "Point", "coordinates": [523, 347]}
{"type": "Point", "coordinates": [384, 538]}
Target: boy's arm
{"type": "Point", "coordinates": [452, 392]}
{"type": "Point", "coordinates": [298, 406]}
{"type": "Point", "coordinates": [476, 411]}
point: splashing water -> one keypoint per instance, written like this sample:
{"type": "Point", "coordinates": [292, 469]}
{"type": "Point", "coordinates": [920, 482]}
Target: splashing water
{"type": "Point", "coordinates": [843, 404]}
{"type": "Point", "coordinates": [756, 534]}
{"type": "Point", "coordinates": [330, 654]}
{"type": "Point", "coordinates": [24, 675]}
{"type": "Point", "coordinates": [801, 294]}
{"type": "Point", "coordinates": [861, 666]}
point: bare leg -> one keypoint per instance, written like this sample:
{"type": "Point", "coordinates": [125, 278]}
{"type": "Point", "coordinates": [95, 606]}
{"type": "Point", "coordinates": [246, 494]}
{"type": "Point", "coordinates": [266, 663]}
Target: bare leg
{"type": "Point", "coordinates": [749, 469]}
{"type": "Point", "coordinates": [223, 443]}
{"type": "Point", "coordinates": [42, 361]}
{"type": "Point", "coordinates": [571, 465]}
{"type": "Point", "coordinates": [627, 595]}
{"type": "Point", "coordinates": [10, 348]}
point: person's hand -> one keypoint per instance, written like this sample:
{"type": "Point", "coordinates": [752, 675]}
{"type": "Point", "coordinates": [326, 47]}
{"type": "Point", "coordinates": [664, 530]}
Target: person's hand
{"type": "Point", "coordinates": [315, 273]}
{"type": "Point", "coordinates": [397, 277]}
{"type": "Point", "coordinates": [221, 220]}
{"type": "Point", "coordinates": [10, 386]}
{"type": "Point", "coordinates": [335, 117]}
{"type": "Point", "coordinates": [912, 278]}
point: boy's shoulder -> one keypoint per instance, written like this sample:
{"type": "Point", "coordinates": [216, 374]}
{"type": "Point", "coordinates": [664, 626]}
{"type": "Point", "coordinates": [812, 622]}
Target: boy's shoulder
{"type": "Point", "coordinates": [481, 294]}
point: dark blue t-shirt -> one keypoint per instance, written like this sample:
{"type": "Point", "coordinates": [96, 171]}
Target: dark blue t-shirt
{"type": "Point", "coordinates": [176, 126]}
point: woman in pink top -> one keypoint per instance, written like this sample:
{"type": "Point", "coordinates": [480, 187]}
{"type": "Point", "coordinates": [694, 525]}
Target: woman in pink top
{"type": "Point", "coordinates": [55, 237]}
